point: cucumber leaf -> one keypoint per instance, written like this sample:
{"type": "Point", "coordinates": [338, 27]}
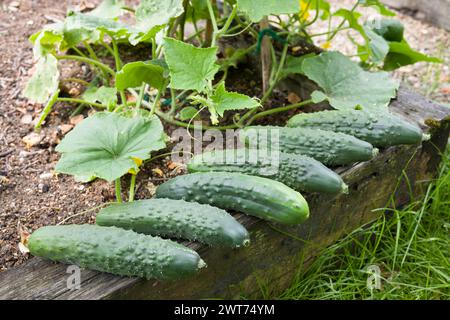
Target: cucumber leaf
{"type": "Point", "coordinates": [45, 80]}
{"type": "Point", "coordinates": [387, 44]}
{"type": "Point", "coordinates": [134, 74]}
{"type": "Point", "coordinates": [152, 16]}
{"type": "Point", "coordinates": [188, 113]}
{"type": "Point", "coordinates": [104, 95]}
{"type": "Point", "coordinates": [224, 100]}
{"type": "Point", "coordinates": [401, 54]}
{"type": "Point", "coordinates": [379, 48]}
{"type": "Point", "coordinates": [191, 68]}
{"type": "Point", "coordinates": [108, 9]}
{"type": "Point", "coordinates": [47, 40]}
{"type": "Point", "coordinates": [389, 29]}
{"type": "Point", "coordinates": [346, 85]}
{"type": "Point", "coordinates": [82, 25]}
{"type": "Point", "coordinates": [106, 145]}
{"type": "Point", "coordinates": [294, 64]}
{"type": "Point", "coordinates": [152, 13]}
{"type": "Point", "coordinates": [198, 10]}
{"type": "Point", "coordinates": [256, 9]}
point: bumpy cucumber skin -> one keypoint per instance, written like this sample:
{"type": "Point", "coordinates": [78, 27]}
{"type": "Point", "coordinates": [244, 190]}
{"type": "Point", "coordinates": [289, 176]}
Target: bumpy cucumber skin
{"type": "Point", "coordinates": [330, 148]}
{"type": "Point", "coordinates": [177, 219]}
{"type": "Point", "coordinates": [382, 129]}
{"type": "Point", "coordinates": [299, 172]}
{"type": "Point", "coordinates": [114, 250]}
{"type": "Point", "coordinates": [260, 197]}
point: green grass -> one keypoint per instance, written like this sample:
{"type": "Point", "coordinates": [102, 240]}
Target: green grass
{"type": "Point", "coordinates": [411, 247]}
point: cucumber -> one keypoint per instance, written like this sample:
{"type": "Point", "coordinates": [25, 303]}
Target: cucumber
{"type": "Point", "coordinates": [114, 250]}
{"type": "Point", "coordinates": [299, 172]}
{"type": "Point", "coordinates": [260, 197]}
{"type": "Point", "coordinates": [328, 147]}
{"type": "Point", "coordinates": [382, 129]}
{"type": "Point", "coordinates": [177, 219]}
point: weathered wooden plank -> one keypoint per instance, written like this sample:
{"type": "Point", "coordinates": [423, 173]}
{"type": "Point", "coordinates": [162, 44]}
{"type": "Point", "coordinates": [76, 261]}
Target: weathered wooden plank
{"type": "Point", "coordinates": [274, 255]}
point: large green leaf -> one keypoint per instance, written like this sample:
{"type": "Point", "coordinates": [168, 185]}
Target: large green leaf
{"type": "Point", "coordinates": [293, 64]}
{"type": "Point", "coordinates": [256, 9]}
{"type": "Point", "coordinates": [152, 13]}
{"type": "Point", "coordinates": [134, 74]}
{"type": "Point", "coordinates": [389, 29]}
{"type": "Point", "coordinates": [197, 10]}
{"type": "Point", "coordinates": [104, 95]}
{"type": "Point", "coordinates": [379, 48]}
{"type": "Point", "coordinates": [44, 81]}
{"type": "Point", "coordinates": [225, 100]}
{"type": "Point", "coordinates": [80, 22]}
{"type": "Point", "coordinates": [152, 16]}
{"type": "Point", "coordinates": [47, 40]}
{"type": "Point", "coordinates": [108, 9]}
{"type": "Point", "coordinates": [107, 145]}
{"type": "Point", "coordinates": [401, 54]}
{"type": "Point", "coordinates": [190, 67]}
{"type": "Point", "coordinates": [346, 85]}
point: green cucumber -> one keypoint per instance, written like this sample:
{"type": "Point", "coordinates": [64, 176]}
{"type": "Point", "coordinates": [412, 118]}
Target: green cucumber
{"type": "Point", "coordinates": [114, 250]}
{"type": "Point", "coordinates": [328, 147]}
{"type": "Point", "coordinates": [299, 172]}
{"type": "Point", "coordinates": [177, 219]}
{"type": "Point", "coordinates": [382, 129]}
{"type": "Point", "coordinates": [260, 197]}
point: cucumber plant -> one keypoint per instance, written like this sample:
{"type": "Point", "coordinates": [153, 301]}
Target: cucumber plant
{"type": "Point", "coordinates": [184, 76]}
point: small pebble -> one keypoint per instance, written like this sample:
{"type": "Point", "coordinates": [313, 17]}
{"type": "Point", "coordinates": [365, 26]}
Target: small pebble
{"type": "Point", "coordinates": [32, 139]}
{"type": "Point", "coordinates": [76, 120]}
{"type": "Point", "coordinates": [43, 188]}
{"type": "Point", "coordinates": [46, 176]}
{"type": "Point", "coordinates": [27, 119]}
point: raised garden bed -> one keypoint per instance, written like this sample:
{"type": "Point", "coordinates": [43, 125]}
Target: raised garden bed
{"type": "Point", "coordinates": [133, 119]}
{"type": "Point", "coordinates": [275, 253]}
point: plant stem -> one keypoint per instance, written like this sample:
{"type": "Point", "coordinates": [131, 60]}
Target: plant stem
{"type": "Point", "coordinates": [132, 188]}
{"type": "Point", "coordinates": [141, 95]}
{"type": "Point", "coordinates": [155, 103]}
{"type": "Point", "coordinates": [118, 191]}
{"type": "Point", "coordinates": [269, 91]}
{"type": "Point", "coordinates": [78, 51]}
{"type": "Point", "coordinates": [107, 47]}
{"type": "Point", "coordinates": [173, 101]}
{"type": "Point", "coordinates": [213, 22]}
{"type": "Point", "coordinates": [227, 24]}
{"type": "Point", "coordinates": [342, 23]}
{"type": "Point", "coordinates": [81, 101]}
{"type": "Point", "coordinates": [118, 68]}
{"type": "Point", "coordinates": [266, 58]}
{"type": "Point", "coordinates": [89, 61]}
{"type": "Point", "coordinates": [277, 110]}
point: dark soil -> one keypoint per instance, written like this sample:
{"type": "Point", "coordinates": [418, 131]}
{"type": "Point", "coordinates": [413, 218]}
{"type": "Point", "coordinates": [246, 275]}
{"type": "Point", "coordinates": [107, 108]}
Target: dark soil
{"type": "Point", "coordinates": [32, 196]}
